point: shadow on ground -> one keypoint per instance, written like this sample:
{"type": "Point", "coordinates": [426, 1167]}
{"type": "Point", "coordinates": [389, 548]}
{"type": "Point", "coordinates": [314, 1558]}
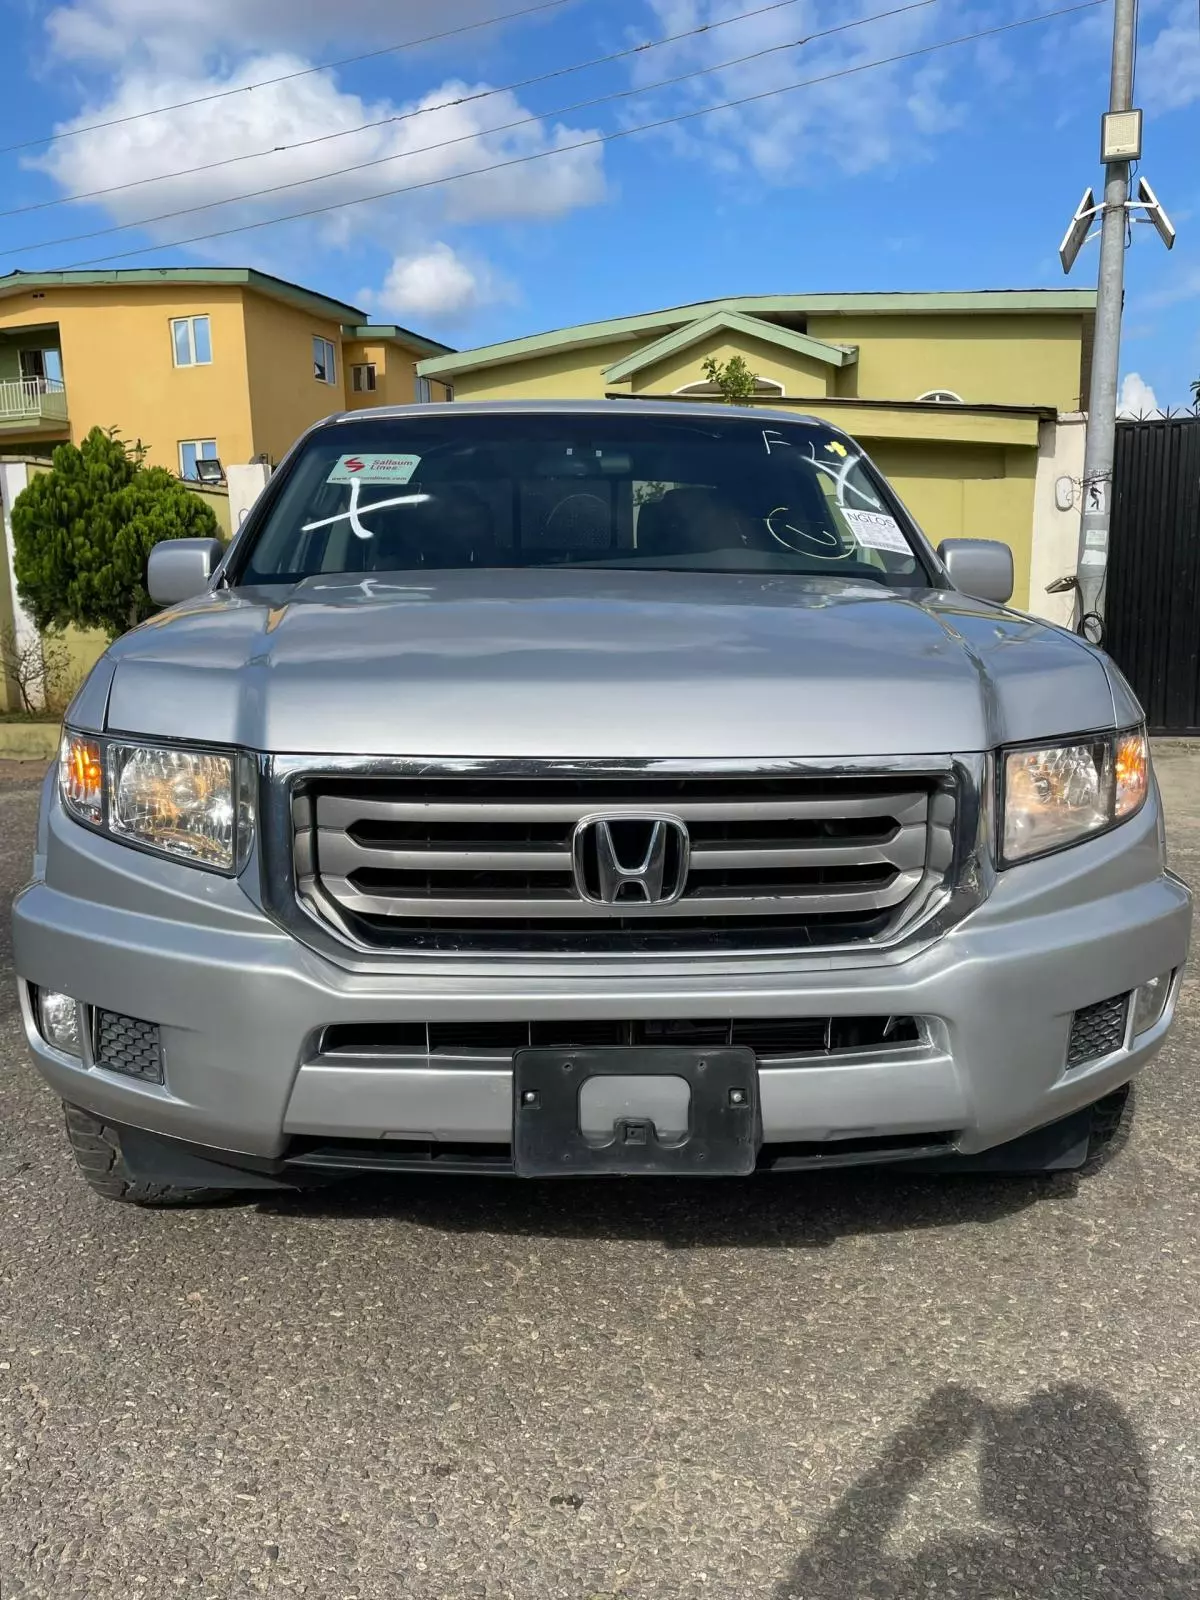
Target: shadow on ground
{"type": "Point", "coordinates": [795, 1210]}
{"type": "Point", "coordinates": [810, 1210]}
{"type": "Point", "coordinates": [1062, 1490]}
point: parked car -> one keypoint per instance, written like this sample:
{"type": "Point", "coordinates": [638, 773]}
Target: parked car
{"type": "Point", "coordinates": [600, 787]}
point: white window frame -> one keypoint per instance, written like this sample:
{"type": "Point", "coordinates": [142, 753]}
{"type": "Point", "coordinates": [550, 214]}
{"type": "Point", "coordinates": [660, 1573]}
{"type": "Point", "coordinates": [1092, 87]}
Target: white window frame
{"type": "Point", "coordinates": [941, 397]}
{"type": "Point", "coordinates": [198, 445]}
{"type": "Point", "coordinates": [365, 369]}
{"type": "Point", "coordinates": [190, 324]}
{"type": "Point", "coordinates": [421, 392]}
{"type": "Point", "coordinates": [330, 351]}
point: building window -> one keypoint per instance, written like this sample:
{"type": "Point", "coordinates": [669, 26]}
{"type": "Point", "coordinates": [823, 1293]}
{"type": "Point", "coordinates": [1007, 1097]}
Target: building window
{"type": "Point", "coordinates": [362, 378]}
{"type": "Point", "coordinates": [43, 365]}
{"type": "Point", "coordinates": [193, 450]}
{"type": "Point", "coordinates": [942, 397]}
{"type": "Point", "coordinates": [191, 338]}
{"type": "Point", "coordinates": [764, 386]}
{"type": "Point", "coordinates": [324, 361]}
{"type": "Point", "coordinates": [421, 392]}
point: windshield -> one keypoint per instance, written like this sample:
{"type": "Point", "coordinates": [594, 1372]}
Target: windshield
{"type": "Point", "coordinates": [478, 489]}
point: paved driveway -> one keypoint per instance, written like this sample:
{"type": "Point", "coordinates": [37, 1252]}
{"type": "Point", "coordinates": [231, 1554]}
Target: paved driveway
{"type": "Point", "coordinates": [817, 1387]}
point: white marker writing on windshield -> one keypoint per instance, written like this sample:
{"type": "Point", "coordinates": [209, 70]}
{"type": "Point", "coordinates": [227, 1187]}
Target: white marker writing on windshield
{"type": "Point", "coordinates": [351, 515]}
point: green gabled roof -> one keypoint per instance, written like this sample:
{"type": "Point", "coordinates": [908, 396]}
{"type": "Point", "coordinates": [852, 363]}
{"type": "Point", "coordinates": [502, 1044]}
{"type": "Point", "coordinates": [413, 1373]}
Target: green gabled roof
{"type": "Point", "coordinates": [726, 321]}
{"type": "Point", "coordinates": [660, 322]}
{"type": "Point", "coordinates": [390, 331]}
{"type": "Point", "coordinates": [294, 294]}
{"type": "Point", "coordinates": [228, 277]}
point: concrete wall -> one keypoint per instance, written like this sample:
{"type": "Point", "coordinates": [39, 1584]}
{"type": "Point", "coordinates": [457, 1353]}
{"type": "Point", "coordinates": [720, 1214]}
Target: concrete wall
{"type": "Point", "coordinates": [246, 483]}
{"type": "Point", "coordinates": [562, 374]}
{"type": "Point", "coordinates": [1006, 359]}
{"type": "Point", "coordinates": [216, 498]}
{"type": "Point", "coordinates": [285, 398]}
{"type": "Point", "coordinates": [801, 376]}
{"type": "Point", "coordinates": [14, 475]}
{"type": "Point", "coordinates": [395, 373]}
{"type": "Point", "coordinates": [1056, 533]}
{"type": "Point", "coordinates": [963, 492]}
{"type": "Point", "coordinates": [118, 364]}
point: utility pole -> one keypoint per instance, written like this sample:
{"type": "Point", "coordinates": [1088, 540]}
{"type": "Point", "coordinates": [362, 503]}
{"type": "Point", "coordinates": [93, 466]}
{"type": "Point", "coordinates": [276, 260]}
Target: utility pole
{"type": "Point", "coordinates": [1106, 349]}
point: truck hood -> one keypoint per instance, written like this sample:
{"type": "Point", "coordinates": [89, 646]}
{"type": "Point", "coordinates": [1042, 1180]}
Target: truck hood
{"type": "Point", "coordinates": [621, 664]}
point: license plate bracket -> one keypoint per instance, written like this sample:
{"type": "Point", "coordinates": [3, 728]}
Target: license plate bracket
{"type": "Point", "coordinates": [724, 1128]}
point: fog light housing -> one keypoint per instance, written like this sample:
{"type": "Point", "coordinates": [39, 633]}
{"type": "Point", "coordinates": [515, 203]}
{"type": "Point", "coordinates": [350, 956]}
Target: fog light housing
{"type": "Point", "coordinates": [58, 1021]}
{"type": "Point", "coordinates": [1150, 1001]}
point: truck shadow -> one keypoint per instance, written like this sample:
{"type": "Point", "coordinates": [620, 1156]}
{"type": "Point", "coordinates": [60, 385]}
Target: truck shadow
{"type": "Point", "coordinates": [1058, 1504]}
{"type": "Point", "coordinates": [806, 1210]}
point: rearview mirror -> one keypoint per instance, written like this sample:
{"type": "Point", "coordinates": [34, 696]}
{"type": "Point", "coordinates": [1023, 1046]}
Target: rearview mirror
{"type": "Point", "coordinates": [982, 568]}
{"type": "Point", "coordinates": [180, 568]}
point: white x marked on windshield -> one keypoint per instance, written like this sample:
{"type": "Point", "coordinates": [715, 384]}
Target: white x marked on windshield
{"type": "Point", "coordinates": [354, 513]}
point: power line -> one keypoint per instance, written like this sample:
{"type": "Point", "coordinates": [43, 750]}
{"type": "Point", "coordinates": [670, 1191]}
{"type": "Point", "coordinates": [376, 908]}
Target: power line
{"type": "Point", "coordinates": [463, 138]}
{"type": "Point", "coordinates": [286, 77]}
{"type": "Point", "coordinates": [597, 139]}
{"type": "Point", "coordinates": [422, 111]}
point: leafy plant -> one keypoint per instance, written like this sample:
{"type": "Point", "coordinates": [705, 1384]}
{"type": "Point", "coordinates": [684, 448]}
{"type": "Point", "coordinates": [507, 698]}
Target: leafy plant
{"type": "Point", "coordinates": [38, 669]}
{"type": "Point", "coordinates": [1196, 391]}
{"type": "Point", "coordinates": [733, 378]}
{"type": "Point", "coordinates": [83, 530]}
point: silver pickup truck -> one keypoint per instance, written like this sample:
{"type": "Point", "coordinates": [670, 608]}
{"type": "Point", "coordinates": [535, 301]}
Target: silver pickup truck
{"type": "Point", "coordinates": [609, 787]}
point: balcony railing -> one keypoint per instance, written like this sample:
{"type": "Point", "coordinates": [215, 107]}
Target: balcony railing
{"type": "Point", "coordinates": [33, 400]}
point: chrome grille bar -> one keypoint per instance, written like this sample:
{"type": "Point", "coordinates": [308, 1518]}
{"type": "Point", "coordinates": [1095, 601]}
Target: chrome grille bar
{"type": "Point", "coordinates": [397, 856]}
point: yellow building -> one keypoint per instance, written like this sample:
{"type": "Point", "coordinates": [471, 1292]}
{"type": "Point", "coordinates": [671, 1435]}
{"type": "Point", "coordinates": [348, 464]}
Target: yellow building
{"type": "Point", "coordinates": [221, 361]}
{"type": "Point", "coordinates": [968, 402]}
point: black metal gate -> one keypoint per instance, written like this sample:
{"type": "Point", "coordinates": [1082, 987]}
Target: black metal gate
{"type": "Point", "coordinates": [1152, 608]}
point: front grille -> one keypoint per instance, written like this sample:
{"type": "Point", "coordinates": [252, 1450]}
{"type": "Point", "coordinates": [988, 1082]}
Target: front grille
{"type": "Point", "coordinates": [128, 1045]}
{"type": "Point", "coordinates": [461, 863]}
{"type": "Point", "coordinates": [1097, 1030]}
{"type": "Point", "coordinates": [772, 1039]}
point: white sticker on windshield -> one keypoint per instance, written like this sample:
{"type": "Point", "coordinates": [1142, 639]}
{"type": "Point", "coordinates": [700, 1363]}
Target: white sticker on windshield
{"type": "Point", "coordinates": [875, 530]}
{"type": "Point", "coordinates": [374, 469]}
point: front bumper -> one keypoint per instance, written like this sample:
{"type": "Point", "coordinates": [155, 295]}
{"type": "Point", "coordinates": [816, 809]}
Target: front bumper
{"type": "Point", "coordinates": [242, 1006]}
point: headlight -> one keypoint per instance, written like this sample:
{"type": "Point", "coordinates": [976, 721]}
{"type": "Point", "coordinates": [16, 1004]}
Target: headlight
{"type": "Point", "coordinates": [194, 805]}
{"type": "Point", "coordinates": [1058, 794]}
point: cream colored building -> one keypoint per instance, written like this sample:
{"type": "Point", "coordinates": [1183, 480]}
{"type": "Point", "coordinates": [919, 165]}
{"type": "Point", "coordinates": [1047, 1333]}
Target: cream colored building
{"type": "Point", "coordinates": [964, 400]}
{"type": "Point", "coordinates": [220, 361]}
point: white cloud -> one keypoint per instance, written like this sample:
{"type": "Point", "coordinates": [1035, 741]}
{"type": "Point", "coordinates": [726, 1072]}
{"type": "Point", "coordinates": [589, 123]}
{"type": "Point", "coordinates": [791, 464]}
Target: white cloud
{"type": "Point", "coordinates": [1169, 63]}
{"type": "Point", "coordinates": [403, 153]}
{"type": "Point", "coordinates": [434, 284]}
{"type": "Point", "coordinates": [1137, 398]}
{"type": "Point", "coordinates": [813, 134]}
{"type": "Point", "coordinates": [106, 30]}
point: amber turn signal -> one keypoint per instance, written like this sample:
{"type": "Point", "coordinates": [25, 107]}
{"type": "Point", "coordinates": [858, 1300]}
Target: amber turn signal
{"type": "Point", "coordinates": [81, 777]}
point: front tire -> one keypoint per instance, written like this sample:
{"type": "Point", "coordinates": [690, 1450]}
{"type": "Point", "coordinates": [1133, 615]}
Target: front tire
{"type": "Point", "coordinates": [1109, 1120]}
{"type": "Point", "coordinates": [96, 1146]}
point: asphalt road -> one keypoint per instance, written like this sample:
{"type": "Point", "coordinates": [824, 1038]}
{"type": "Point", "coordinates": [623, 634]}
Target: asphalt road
{"type": "Point", "coordinates": [803, 1389]}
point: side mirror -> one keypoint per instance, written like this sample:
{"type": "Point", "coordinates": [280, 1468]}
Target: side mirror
{"type": "Point", "coordinates": [179, 568]}
{"type": "Point", "coordinates": [982, 568]}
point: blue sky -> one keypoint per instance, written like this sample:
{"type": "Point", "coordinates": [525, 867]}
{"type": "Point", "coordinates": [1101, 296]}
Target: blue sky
{"type": "Point", "coordinates": [956, 169]}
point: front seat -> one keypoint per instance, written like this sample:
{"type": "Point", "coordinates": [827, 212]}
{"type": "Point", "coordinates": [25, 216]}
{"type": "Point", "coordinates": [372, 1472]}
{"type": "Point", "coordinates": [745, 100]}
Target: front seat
{"type": "Point", "coordinates": [447, 527]}
{"type": "Point", "coordinates": [689, 521]}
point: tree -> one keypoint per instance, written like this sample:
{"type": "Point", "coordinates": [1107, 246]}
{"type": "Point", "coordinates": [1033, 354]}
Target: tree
{"type": "Point", "coordinates": [83, 530]}
{"type": "Point", "coordinates": [38, 669]}
{"type": "Point", "coordinates": [1196, 391]}
{"type": "Point", "coordinates": [733, 377]}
